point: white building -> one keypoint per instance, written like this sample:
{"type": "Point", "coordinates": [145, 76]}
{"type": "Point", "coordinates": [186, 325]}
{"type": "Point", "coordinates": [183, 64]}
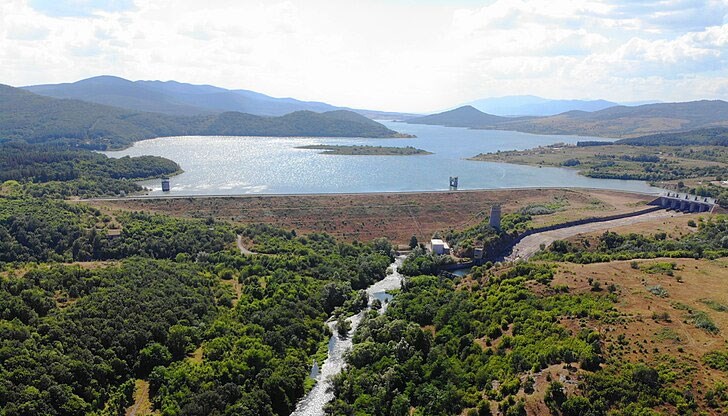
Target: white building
{"type": "Point", "coordinates": [439, 247]}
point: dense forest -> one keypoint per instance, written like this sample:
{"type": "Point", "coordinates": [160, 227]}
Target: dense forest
{"type": "Point", "coordinates": [75, 336]}
{"type": "Point", "coordinates": [92, 301]}
{"type": "Point", "coordinates": [61, 172]}
{"type": "Point", "coordinates": [499, 341]}
{"type": "Point", "coordinates": [443, 348]}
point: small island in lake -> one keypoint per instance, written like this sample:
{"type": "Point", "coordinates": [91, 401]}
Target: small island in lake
{"type": "Point", "coordinates": [357, 150]}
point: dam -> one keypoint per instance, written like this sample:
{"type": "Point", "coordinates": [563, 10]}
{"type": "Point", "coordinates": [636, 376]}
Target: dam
{"type": "Point", "coordinates": [685, 202]}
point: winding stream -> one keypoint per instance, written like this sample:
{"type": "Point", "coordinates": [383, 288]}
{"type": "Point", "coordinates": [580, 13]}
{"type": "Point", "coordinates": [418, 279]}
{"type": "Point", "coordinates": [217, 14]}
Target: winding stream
{"type": "Point", "coordinates": [313, 403]}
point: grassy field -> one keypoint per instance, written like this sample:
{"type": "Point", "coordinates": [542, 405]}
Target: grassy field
{"type": "Point", "coordinates": [396, 216]}
{"type": "Point", "coordinates": [627, 162]}
{"type": "Point", "coordinates": [666, 303]}
{"type": "Point", "coordinates": [661, 329]}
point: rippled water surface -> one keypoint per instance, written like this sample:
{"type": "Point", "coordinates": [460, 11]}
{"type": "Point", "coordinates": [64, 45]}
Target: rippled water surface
{"type": "Point", "coordinates": [242, 165]}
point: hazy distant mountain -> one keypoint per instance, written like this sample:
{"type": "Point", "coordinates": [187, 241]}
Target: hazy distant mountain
{"type": "Point", "coordinates": [118, 92]}
{"type": "Point", "coordinates": [35, 118]}
{"type": "Point", "coordinates": [623, 121]}
{"type": "Point", "coordinates": [618, 121]}
{"type": "Point", "coordinates": [529, 105]}
{"type": "Point", "coordinates": [176, 98]}
{"type": "Point", "coordinates": [466, 116]}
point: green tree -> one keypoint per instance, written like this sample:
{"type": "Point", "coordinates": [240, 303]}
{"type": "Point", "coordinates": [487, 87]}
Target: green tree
{"type": "Point", "coordinates": [413, 242]}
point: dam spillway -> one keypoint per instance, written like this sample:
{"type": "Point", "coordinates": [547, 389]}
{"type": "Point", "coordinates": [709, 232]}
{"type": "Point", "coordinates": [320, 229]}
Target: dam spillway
{"type": "Point", "coordinates": [685, 202]}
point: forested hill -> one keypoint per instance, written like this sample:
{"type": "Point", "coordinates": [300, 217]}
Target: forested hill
{"type": "Point", "coordinates": [37, 119]}
{"type": "Point", "coordinates": [466, 116]}
{"type": "Point", "coordinates": [619, 121]}
{"type": "Point", "coordinates": [717, 136]}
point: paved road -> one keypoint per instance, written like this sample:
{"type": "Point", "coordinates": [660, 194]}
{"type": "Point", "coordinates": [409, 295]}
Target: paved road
{"type": "Point", "coordinates": [531, 244]}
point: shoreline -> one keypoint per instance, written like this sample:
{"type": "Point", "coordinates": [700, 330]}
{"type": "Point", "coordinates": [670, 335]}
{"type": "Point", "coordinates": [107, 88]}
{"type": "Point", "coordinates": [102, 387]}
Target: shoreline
{"type": "Point", "coordinates": [130, 145]}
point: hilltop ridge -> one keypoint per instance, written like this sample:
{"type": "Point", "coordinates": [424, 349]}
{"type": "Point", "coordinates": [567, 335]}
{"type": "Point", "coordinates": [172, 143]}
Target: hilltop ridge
{"type": "Point", "coordinates": [617, 122]}
{"type": "Point", "coordinates": [34, 118]}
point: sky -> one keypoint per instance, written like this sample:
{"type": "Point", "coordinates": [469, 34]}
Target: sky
{"type": "Point", "coordinates": [395, 55]}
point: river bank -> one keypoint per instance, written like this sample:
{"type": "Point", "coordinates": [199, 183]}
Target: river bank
{"type": "Point", "coordinates": [313, 403]}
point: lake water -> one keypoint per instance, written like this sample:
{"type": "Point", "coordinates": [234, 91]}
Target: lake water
{"type": "Point", "coordinates": [271, 165]}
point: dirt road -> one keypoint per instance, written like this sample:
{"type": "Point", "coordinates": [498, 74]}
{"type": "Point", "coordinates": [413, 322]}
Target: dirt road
{"type": "Point", "coordinates": [531, 244]}
{"type": "Point", "coordinates": [242, 247]}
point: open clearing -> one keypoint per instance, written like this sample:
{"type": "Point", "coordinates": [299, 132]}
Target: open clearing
{"type": "Point", "coordinates": [693, 286]}
{"type": "Point", "coordinates": [142, 405]}
{"type": "Point", "coordinates": [396, 216]}
{"type": "Point", "coordinates": [658, 331]}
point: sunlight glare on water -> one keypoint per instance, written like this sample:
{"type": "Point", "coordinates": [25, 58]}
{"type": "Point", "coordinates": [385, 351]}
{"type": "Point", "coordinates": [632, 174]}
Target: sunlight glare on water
{"type": "Point", "coordinates": [266, 165]}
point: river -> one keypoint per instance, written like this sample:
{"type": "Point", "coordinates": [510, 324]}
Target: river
{"type": "Point", "coordinates": [274, 165]}
{"type": "Point", "coordinates": [313, 403]}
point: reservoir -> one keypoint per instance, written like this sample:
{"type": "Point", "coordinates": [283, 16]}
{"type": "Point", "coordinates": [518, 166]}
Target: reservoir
{"type": "Point", "coordinates": [273, 165]}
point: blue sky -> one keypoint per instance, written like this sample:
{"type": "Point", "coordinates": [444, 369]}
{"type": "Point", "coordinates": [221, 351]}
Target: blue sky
{"type": "Point", "coordinates": [82, 8]}
{"type": "Point", "coordinates": [402, 55]}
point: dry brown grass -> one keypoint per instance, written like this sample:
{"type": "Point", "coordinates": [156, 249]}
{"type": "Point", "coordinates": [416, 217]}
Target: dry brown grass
{"type": "Point", "coordinates": [396, 216]}
{"type": "Point", "coordinates": [142, 405]}
{"type": "Point", "coordinates": [648, 336]}
{"type": "Point", "coordinates": [197, 355]}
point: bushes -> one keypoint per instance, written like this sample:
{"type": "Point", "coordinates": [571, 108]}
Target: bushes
{"type": "Point", "coordinates": [115, 328]}
{"type": "Point", "coordinates": [420, 262]}
{"type": "Point", "coordinates": [453, 364]}
{"type": "Point", "coordinates": [709, 241]}
{"type": "Point", "coordinates": [72, 339]}
{"type": "Point", "coordinates": [42, 230]}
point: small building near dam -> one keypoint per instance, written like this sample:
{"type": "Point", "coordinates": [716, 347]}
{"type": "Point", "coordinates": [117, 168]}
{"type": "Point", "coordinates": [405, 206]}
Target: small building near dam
{"type": "Point", "coordinates": [439, 247]}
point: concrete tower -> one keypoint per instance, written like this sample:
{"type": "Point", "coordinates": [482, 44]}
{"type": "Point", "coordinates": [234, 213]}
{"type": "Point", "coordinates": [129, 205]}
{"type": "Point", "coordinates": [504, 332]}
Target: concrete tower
{"type": "Point", "coordinates": [495, 217]}
{"type": "Point", "coordinates": [453, 182]}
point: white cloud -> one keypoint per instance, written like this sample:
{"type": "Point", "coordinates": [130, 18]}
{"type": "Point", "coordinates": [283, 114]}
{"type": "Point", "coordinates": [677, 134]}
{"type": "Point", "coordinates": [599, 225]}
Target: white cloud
{"type": "Point", "coordinates": [396, 55]}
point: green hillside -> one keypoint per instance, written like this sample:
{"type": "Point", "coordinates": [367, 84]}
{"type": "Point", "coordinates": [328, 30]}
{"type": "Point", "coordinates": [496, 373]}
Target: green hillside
{"type": "Point", "coordinates": [36, 119]}
{"type": "Point", "coordinates": [623, 121]}
{"type": "Point", "coordinates": [717, 136]}
{"type": "Point", "coordinates": [466, 116]}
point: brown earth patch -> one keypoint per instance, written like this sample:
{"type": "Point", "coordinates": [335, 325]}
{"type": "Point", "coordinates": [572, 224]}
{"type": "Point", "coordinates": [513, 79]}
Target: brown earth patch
{"type": "Point", "coordinates": [396, 216]}
{"type": "Point", "coordinates": [659, 330]}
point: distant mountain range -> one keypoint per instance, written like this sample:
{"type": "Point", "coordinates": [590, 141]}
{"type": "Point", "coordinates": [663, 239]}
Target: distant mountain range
{"type": "Point", "coordinates": [176, 98]}
{"type": "Point", "coordinates": [530, 105]}
{"type": "Point", "coordinates": [38, 119]}
{"type": "Point", "coordinates": [617, 122]}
